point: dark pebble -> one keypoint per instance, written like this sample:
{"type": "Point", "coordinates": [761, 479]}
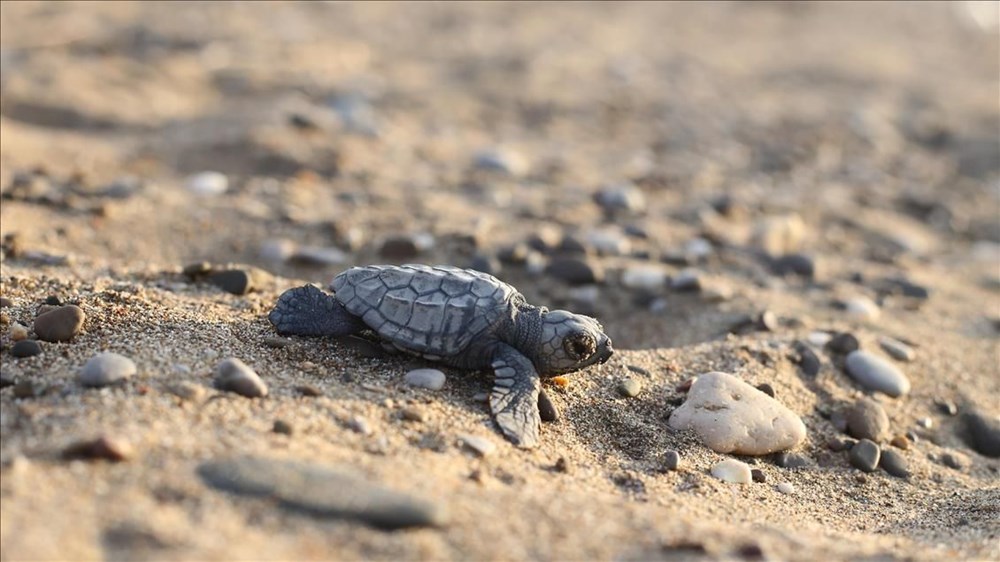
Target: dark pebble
{"type": "Point", "coordinates": [53, 300]}
{"type": "Point", "coordinates": [671, 460]}
{"type": "Point", "coordinates": [794, 264]}
{"type": "Point", "coordinates": [399, 248]}
{"type": "Point", "coordinates": [905, 288]}
{"type": "Point", "coordinates": [806, 359]}
{"type": "Point", "coordinates": [308, 390]}
{"type": "Point", "coordinates": [61, 324]}
{"type": "Point", "coordinates": [685, 385]}
{"type": "Point", "coordinates": [751, 552]}
{"type": "Point", "coordinates": [196, 270]}
{"type": "Point", "coordinates": [836, 444]}
{"type": "Point", "coordinates": [792, 460]}
{"type": "Point", "coordinates": [637, 370]}
{"type": "Point", "coordinates": [320, 492]}
{"type": "Point", "coordinates": [983, 433]}
{"type": "Point", "coordinates": [576, 271]}
{"type": "Point", "coordinates": [25, 348]}
{"type": "Point", "coordinates": [277, 342]}
{"type": "Point", "coordinates": [757, 475]}
{"type": "Point", "coordinates": [5, 302]}
{"type": "Point", "coordinates": [282, 427]}
{"type": "Point", "coordinates": [894, 463]}
{"type": "Point", "coordinates": [947, 407]}
{"type": "Point", "coordinates": [839, 420]}
{"type": "Point", "coordinates": [562, 465]}
{"type": "Point", "coordinates": [954, 460]}
{"type": "Point", "coordinates": [546, 409]}
{"type": "Point", "coordinates": [843, 343]}
{"type": "Point", "coordinates": [866, 419]}
{"type": "Point", "coordinates": [766, 389]}
{"type": "Point", "coordinates": [514, 254]}
{"type": "Point", "coordinates": [572, 246]}
{"type": "Point", "coordinates": [486, 264]}
{"type": "Point", "coordinates": [865, 455]}
{"type": "Point", "coordinates": [235, 281]}
{"type": "Point", "coordinates": [106, 448]}
{"type": "Point", "coordinates": [6, 379]}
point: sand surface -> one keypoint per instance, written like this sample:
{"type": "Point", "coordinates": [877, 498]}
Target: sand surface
{"type": "Point", "coordinates": [875, 127]}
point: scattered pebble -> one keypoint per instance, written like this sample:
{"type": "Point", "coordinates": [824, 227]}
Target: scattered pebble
{"type": "Point", "coordinates": [359, 424]}
{"type": "Point", "coordinates": [562, 465]}
{"type": "Point", "coordinates": [233, 375]}
{"type": "Point", "coordinates": [793, 460]}
{"type": "Point", "coordinates": [630, 387]}
{"type": "Point", "coordinates": [25, 348]}
{"type": "Point", "coordinates": [277, 342]}
{"type": "Point", "coordinates": [864, 455]}
{"type": "Point", "coordinates": [732, 470]}
{"type": "Point", "coordinates": [308, 390]}
{"type": "Point", "coordinates": [5, 302]}
{"type": "Point", "coordinates": [807, 359]}
{"type": "Point", "coordinates": [671, 460]}
{"type": "Point", "coordinates": [624, 197]}
{"type": "Point", "coordinates": [546, 409]}
{"type": "Point", "coordinates": [575, 271]}
{"type": "Point", "coordinates": [207, 183]}
{"type": "Point", "coordinates": [413, 414]}
{"type": "Point", "coordinates": [61, 324]}
{"type": "Point", "coordinates": [29, 389]}
{"type": "Point", "coordinates": [647, 277]}
{"type": "Point", "coordinates": [758, 475]}
{"type": "Point", "coordinates": [235, 281]}
{"type": "Point", "coordinates": [795, 264]}
{"type": "Point", "coordinates": [894, 463]}
{"type": "Point", "coordinates": [687, 280]}
{"type": "Point", "coordinates": [399, 248]}
{"type": "Point", "coordinates": [481, 446]}
{"type": "Point", "coordinates": [900, 442]}
{"type": "Point", "coordinates": [6, 379]}
{"type": "Point", "coordinates": [106, 369]}
{"type": "Point", "coordinates": [876, 373]}
{"type": "Point", "coordinates": [947, 407]}
{"type": "Point", "coordinates": [502, 160]}
{"type": "Point", "coordinates": [779, 235]}
{"type": "Point", "coordinates": [104, 447]}
{"type": "Point", "coordinates": [955, 460]}
{"type": "Point", "coordinates": [766, 389]}
{"type": "Point", "coordinates": [697, 250]}
{"type": "Point", "coordinates": [282, 427]}
{"type": "Point", "coordinates": [188, 391]}
{"type": "Point", "coordinates": [276, 250]}
{"type": "Point", "coordinates": [836, 444]}
{"type": "Point", "coordinates": [786, 488]}
{"type": "Point", "coordinates": [862, 307]}
{"type": "Point", "coordinates": [866, 419]}
{"type": "Point", "coordinates": [983, 433]}
{"type": "Point", "coordinates": [606, 241]}
{"type": "Point", "coordinates": [431, 379]}
{"type": "Point", "coordinates": [731, 416]}
{"type": "Point", "coordinates": [196, 270]}
{"type": "Point", "coordinates": [320, 492]}
{"type": "Point", "coordinates": [925, 423]}
{"type": "Point", "coordinates": [897, 349]}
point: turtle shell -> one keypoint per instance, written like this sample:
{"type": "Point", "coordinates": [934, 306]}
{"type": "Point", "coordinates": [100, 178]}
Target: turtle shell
{"type": "Point", "coordinates": [434, 311]}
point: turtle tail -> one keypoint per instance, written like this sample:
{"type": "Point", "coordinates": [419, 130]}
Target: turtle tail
{"type": "Point", "coordinates": [308, 311]}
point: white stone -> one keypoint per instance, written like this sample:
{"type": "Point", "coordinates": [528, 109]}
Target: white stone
{"type": "Point", "coordinates": [105, 369]}
{"type": "Point", "coordinates": [877, 373]}
{"type": "Point", "coordinates": [732, 470]}
{"type": "Point", "coordinates": [786, 488]}
{"type": "Point", "coordinates": [780, 235]}
{"type": "Point", "coordinates": [819, 339]}
{"type": "Point", "coordinates": [698, 249]}
{"type": "Point", "coordinates": [609, 241]}
{"type": "Point", "coordinates": [276, 250]}
{"type": "Point", "coordinates": [863, 307]}
{"type": "Point", "coordinates": [645, 276]}
{"type": "Point", "coordinates": [208, 183]}
{"type": "Point", "coordinates": [730, 416]}
{"type": "Point", "coordinates": [897, 349]}
{"type": "Point", "coordinates": [481, 446]}
{"type": "Point", "coordinates": [431, 379]}
{"type": "Point", "coordinates": [233, 375]}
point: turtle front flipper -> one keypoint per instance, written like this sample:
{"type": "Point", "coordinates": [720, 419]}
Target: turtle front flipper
{"type": "Point", "coordinates": [308, 311]}
{"type": "Point", "coordinates": [514, 400]}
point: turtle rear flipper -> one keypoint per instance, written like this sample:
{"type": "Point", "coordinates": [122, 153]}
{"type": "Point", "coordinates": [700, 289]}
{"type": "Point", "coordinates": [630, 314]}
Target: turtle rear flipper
{"type": "Point", "coordinates": [514, 400]}
{"type": "Point", "coordinates": [308, 311]}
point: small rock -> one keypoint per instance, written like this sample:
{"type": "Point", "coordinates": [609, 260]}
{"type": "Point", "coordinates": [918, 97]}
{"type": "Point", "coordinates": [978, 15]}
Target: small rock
{"type": "Point", "coordinates": [282, 427]}
{"type": "Point", "coordinates": [501, 160]}
{"type": "Point", "coordinates": [318, 257]}
{"type": "Point", "coordinates": [106, 369]}
{"type": "Point", "coordinates": [61, 324]}
{"type": "Point", "coordinates": [865, 455]}
{"type": "Point", "coordinates": [897, 349]}
{"type": "Point", "coordinates": [807, 359]}
{"type": "Point", "coordinates": [768, 321]}
{"type": "Point", "coordinates": [233, 375]}
{"type": "Point", "coordinates": [431, 379]}
{"type": "Point", "coordinates": [955, 460]}
{"type": "Point", "coordinates": [29, 389]}
{"type": "Point", "coordinates": [576, 271]}
{"type": "Point", "coordinates": [671, 460]}
{"type": "Point", "coordinates": [780, 235]}
{"type": "Point", "coordinates": [836, 444]}
{"type": "Point", "coordinates": [697, 250]}
{"type": "Point", "coordinates": [795, 264]}
{"type": "Point", "coordinates": [235, 281]}
{"type": "Point", "coordinates": [894, 463]}
{"type": "Point", "coordinates": [982, 433]}
{"type": "Point", "coordinates": [606, 241]}
{"type": "Point", "coordinates": [863, 307]}
{"type": "Point", "coordinates": [188, 391]}
{"type": "Point", "coordinates": [413, 414]}
{"type": "Point", "coordinates": [308, 390]}
{"type": "Point", "coordinates": [107, 448]}
{"type": "Point", "coordinates": [766, 389]}
{"type": "Point", "coordinates": [646, 277]}
{"type": "Point", "coordinates": [277, 342]}
{"type": "Point", "coordinates": [731, 416]}
{"type": "Point", "coordinates": [843, 343]}
{"type": "Point", "coordinates": [399, 248]}
{"type": "Point", "coordinates": [866, 419]}
{"type": "Point", "coordinates": [630, 387]}
{"type": "Point", "coordinates": [758, 475]}
{"type": "Point", "coordinates": [878, 374]}
{"type": "Point", "coordinates": [947, 407]}
{"type": "Point", "coordinates": [687, 280]}
{"type": "Point", "coordinates": [793, 460]}
{"type": "Point", "coordinates": [925, 423]}
{"type": "Point", "coordinates": [207, 183]}
{"type": "Point", "coordinates": [562, 465]}
{"type": "Point", "coordinates": [276, 250]}
{"type": "Point", "coordinates": [786, 488]}
{"type": "Point", "coordinates": [6, 379]}
{"type": "Point", "coordinates": [481, 446]}
{"type": "Point", "coordinates": [320, 492]}
{"type": "Point", "coordinates": [487, 264]}
{"type": "Point", "coordinates": [5, 302]}
{"type": "Point", "coordinates": [900, 442]}
{"type": "Point", "coordinates": [732, 470]}
{"type": "Point", "coordinates": [25, 348]}
{"type": "Point", "coordinates": [625, 197]}
{"type": "Point", "coordinates": [819, 339]}
{"type": "Point", "coordinates": [197, 269]}
{"type": "Point", "coordinates": [546, 409]}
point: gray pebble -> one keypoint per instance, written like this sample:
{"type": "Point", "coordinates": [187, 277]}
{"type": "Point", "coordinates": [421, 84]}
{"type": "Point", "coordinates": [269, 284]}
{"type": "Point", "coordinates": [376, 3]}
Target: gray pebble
{"type": "Point", "coordinates": [671, 460]}
{"type": "Point", "coordinates": [575, 271]}
{"type": "Point", "coordinates": [105, 369]}
{"type": "Point", "coordinates": [546, 409]}
{"type": "Point", "coordinates": [843, 343]}
{"type": "Point", "coordinates": [793, 460]}
{"type": "Point", "coordinates": [983, 433]}
{"type": "Point", "coordinates": [625, 197]}
{"type": "Point", "coordinates": [282, 427]}
{"type": "Point", "coordinates": [866, 419]}
{"type": "Point", "coordinates": [630, 387]}
{"type": "Point", "coordinates": [956, 460]}
{"type": "Point", "coordinates": [431, 379]}
{"type": "Point", "coordinates": [894, 463]}
{"type": "Point", "coordinates": [61, 324]}
{"type": "Point", "coordinates": [794, 264]}
{"type": "Point", "coordinates": [359, 424]}
{"type": "Point", "coordinates": [320, 492]}
{"type": "Point", "coordinates": [687, 280]}
{"type": "Point", "coordinates": [807, 359]}
{"type": "Point", "coordinates": [5, 302]}
{"type": "Point", "coordinates": [876, 373]}
{"type": "Point", "coordinates": [233, 375]}
{"type": "Point", "coordinates": [865, 455]}
{"type": "Point", "coordinates": [317, 256]}
{"type": "Point", "coordinates": [235, 281]}
{"type": "Point", "coordinates": [501, 160]}
{"type": "Point", "coordinates": [481, 446]}
{"type": "Point", "coordinates": [25, 348]}
{"type": "Point", "coordinates": [207, 183]}
{"type": "Point", "coordinates": [29, 389]}
{"type": "Point", "coordinates": [277, 342]}
{"type": "Point", "coordinates": [897, 349]}
{"type": "Point", "coordinates": [6, 379]}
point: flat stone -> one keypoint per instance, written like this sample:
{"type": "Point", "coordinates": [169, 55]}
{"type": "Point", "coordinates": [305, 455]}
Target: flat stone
{"type": "Point", "coordinates": [25, 348]}
{"type": "Point", "coordinates": [431, 379]}
{"type": "Point", "coordinates": [876, 373]}
{"type": "Point", "coordinates": [786, 488]}
{"type": "Point", "coordinates": [277, 342]}
{"type": "Point", "coordinates": [630, 387]}
{"type": "Point", "coordinates": [865, 455]}
{"type": "Point", "coordinates": [61, 324]}
{"type": "Point", "coordinates": [106, 369]}
{"type": "Point", "coordinates": [894, 463]}
{"type": "Point", "coordinates": [235, 281]}
{"type": "Point", "coordinates": [104, 447]}
{"type": "Point", "coordinates": [481, 446]}
{"type": "Point", "coordinates": [575, 271]}
{"type": "Point", "coordinates": [233, 375]}
{"type": "Point", "coordinates": [730, 416]}
{"type": "Point", "coordinates": [866, 419]}
{"type": "Point", "coordinates": [956, 460]}
{"type": "Point", "coordinates": [207, 183]}
{"type": "Point", "coordinates": [320, 492]}
{"type": "Point", "coordinates": [897, 349]}
{"type": "Point", "coordinates": [983, 433]}
{"type": "Point", "coordinates": [671, 460]}
{"type": "Point", "coordinates": [732, 470]}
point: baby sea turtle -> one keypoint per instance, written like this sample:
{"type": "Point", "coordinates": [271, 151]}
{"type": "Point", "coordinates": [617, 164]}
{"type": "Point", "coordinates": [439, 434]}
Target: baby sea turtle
{"type": "Point", "coordinates": [460, 317]}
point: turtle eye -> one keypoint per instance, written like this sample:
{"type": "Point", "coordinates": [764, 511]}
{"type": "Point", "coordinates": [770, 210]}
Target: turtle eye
{"type": "Point", "coordinates": [579, 347]}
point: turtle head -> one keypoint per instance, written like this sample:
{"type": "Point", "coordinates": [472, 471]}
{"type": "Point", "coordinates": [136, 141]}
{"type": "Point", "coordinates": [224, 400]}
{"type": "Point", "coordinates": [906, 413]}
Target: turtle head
{"type": "Point", "coordinates": [570, 342]}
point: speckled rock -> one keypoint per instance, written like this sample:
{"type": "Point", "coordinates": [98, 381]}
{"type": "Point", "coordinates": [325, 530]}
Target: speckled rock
{"type": "Point", "coordinates": [730, 416]}
{"type": "Point", "coordinates": [630, 387]}
{"type": "Point", "coordinates": [876, 373]}
{"type": "Point", "coordinates": [61, 324]}
{"type": "Point", "coordinates": [866, 419]}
